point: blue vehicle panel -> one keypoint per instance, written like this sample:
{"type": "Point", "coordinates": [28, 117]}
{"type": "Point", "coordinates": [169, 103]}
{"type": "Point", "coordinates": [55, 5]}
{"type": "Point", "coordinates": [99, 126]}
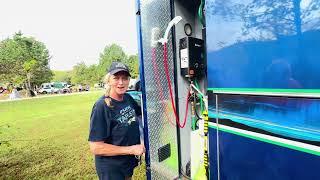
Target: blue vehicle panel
{"type": "Point", "coordinates": [263, 44]}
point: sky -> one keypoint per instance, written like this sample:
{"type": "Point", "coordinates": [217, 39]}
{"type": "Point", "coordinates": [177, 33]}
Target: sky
{"type": "Point", "coordinates": [72, 30]}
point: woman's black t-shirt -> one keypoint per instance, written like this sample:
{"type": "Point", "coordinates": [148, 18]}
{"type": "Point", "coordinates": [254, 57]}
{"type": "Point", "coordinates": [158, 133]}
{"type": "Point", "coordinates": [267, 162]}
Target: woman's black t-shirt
{"type": "Point", "coordinates": [117, 125]}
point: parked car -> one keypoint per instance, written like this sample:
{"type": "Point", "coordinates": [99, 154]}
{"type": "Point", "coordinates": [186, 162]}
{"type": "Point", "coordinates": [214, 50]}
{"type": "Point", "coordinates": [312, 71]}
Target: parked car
{"type": "Point", "coordinates": [67, 88]}
{"type": "Point", "coordinates": [58, 87]}
{"type": "Point", "coordinates": [49, 88]}
{"type": "Point", "coordinates": [46, 90]}
{"type": "Point", "coordinates": [136, 95]}
{"type": "Point", "coordinates": [132, 83]}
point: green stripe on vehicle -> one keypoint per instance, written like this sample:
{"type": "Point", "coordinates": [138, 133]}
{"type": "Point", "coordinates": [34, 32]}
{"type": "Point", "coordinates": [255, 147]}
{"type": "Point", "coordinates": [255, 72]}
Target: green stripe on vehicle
{"type": "Point", "coordinates": [270, 92]}
{"type": "Point", "coordinates": [317, 91]}
{"type": "Point", "coordinates": [267, 140]}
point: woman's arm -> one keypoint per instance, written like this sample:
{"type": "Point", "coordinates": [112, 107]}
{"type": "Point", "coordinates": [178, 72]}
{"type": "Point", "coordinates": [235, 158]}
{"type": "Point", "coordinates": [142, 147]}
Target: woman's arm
{"type": "Point", "coordinates": [104, 149]}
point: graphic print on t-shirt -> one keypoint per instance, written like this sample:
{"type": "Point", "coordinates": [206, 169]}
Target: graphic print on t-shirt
{"type": "Point", "coordinates": [126, 116]}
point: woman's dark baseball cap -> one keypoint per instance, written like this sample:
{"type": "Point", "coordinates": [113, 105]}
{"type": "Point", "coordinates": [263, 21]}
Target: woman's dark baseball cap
{"type": "Point", "coordinates": [117, 67]}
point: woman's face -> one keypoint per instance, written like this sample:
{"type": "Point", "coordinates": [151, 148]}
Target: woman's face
{"type": "Point", "coordinates": [119, 83]}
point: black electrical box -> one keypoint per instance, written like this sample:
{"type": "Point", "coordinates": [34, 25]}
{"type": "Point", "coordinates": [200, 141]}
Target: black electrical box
{"type": "Point", "coordinates": [191, 51]}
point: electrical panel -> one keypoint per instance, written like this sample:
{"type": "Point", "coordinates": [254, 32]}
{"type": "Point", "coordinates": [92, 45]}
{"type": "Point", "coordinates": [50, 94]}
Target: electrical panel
{"type": "Point", "coordinates": [192, 57]}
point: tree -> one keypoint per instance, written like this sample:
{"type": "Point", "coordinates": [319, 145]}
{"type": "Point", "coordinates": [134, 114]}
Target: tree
{"type": "Point", "coordinates": [62, 76]}
{"type": "Point", "coordinates": [133, 64]}
{"type": "Point", "coordinates": [82, 74]}
{"type": "Point", "coordinates": [11, 55]}
{"type": "Point", "coordinates": [110, 53]}
{"type": "Point", "coordinates": [93, 76]}
{"type": "Point", "coordinates": [278, 18]}
{"type": "Point", "coordinates": [79, 73]}
{"type": "Point", "coordinates": [267, 18]}
{"type": "Point", "coordinates": [24, 60]}
{"type": "Point", "coordinates": [28, 67]}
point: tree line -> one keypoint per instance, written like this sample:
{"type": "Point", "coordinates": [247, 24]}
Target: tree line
{"type": "Point", "coordinates": [83, 74]}
{"type": "Point", "coordinates": [24, 61]}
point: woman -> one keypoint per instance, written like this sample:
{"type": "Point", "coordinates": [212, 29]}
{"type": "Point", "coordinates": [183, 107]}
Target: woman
{"type": "Point", "coordinates": [114, 131]}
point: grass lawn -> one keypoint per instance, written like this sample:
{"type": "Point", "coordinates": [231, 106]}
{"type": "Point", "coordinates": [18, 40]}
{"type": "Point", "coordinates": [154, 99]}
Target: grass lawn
{"type": "Point", "coordinates": [47, 138]}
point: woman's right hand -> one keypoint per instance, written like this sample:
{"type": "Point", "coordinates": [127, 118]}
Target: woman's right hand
{"type": "Point", "coordinates": [137, 150]}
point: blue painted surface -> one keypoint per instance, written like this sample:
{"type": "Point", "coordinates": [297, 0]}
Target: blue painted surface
{"type": "Point", "coordinates": [143, 89]}
{"type": "Point", "coordinates": [272, 44]}
{"type": "Point", "coordinates": [213, 158]}
{"type": "Point", "coordinates": [248, 159]}
{"type": "Point", "coordinates": [263, 44]}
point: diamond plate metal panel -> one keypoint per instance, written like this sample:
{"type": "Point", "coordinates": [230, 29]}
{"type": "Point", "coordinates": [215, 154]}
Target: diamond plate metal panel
{"type": "Point", "coordinates": [157, 14]}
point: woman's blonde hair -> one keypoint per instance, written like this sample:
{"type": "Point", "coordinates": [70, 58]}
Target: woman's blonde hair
{"type": "Point", "coordinates": [108, 89]}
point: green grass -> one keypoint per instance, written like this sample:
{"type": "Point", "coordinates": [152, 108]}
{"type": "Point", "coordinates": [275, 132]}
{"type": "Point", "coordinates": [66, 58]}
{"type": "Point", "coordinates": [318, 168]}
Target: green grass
{"type": "Point", "coordinates": [47, 138]}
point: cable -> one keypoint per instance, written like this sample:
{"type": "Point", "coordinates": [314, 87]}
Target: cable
{"type": "Point", "coordinates": [200, 12]}
{"type": "Point", "coordinates": [197, 115]}
{"type": "Point", "coordinates": [166, 68]}
{"type": "Point", "coordinates": [200, 96]}
{"type": "Point", "coordinates": [156, 71]}
{"type": "Point", "coordinates": [163, 41]}
{"type": "Point", "coordinates": [194, 111]}
{"type": "Point", "coordinates": [155, 68]}
{"type": "Point", "coordinates": [205, 100]}
{"type": "Point", "coordinates": [193, 125]}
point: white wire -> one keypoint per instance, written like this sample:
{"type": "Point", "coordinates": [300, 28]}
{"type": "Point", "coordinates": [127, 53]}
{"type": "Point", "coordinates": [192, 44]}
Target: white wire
{"type": "Point", "coordinates": [205, 99]}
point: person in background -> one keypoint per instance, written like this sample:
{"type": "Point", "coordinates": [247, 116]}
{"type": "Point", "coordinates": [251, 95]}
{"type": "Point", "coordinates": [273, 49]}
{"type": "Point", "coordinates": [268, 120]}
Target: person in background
{"type": "Point", "coordinates": [87, 87]}
{"type": "Point", "coordinates": [114, 136]}
{"type": "Point", "coordinates": [14, 94]}
{"type": "Point", "coordinates": [80, 88]}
